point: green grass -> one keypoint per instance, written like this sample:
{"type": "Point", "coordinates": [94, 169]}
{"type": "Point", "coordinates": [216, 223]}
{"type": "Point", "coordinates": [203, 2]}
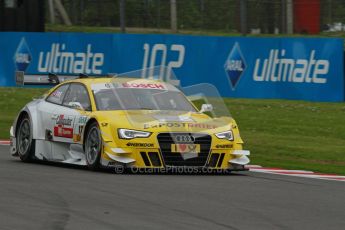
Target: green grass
{"type": "Point", "coordinates": [12, 101]}
{"type": "Point", "coordinates": [279, 133]}
{"type": "Point", "coordinates": [293, 134]}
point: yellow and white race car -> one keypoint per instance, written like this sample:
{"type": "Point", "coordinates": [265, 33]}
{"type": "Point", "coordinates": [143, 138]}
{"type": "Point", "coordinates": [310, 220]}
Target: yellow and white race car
{"type": "Point", "coordinates": [128, 123]}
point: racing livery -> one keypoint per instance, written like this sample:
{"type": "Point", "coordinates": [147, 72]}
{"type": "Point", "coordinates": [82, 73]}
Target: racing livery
{"type": "Point", "coordinates": [125, 122]}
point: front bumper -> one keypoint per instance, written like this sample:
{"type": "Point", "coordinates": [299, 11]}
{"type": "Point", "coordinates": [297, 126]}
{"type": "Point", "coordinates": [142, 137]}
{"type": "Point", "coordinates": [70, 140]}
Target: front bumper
{"type": "Point", "coordinates": [152, 158]}
{"type": "Point", "coordinates": [160, 151]}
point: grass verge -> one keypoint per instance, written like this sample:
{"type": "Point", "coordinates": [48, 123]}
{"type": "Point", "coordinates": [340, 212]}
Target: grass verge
{"type": "Point", "coordinates": [279, 133]}
{"type": "Point", "coordinates": [12, 101]}
{"type": "Point", "coordinates": [293, 134]}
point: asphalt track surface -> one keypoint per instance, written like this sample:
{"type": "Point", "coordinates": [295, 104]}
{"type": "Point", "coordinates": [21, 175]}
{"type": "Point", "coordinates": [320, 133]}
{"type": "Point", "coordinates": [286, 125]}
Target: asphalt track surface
{"type": "Point", "coordinates": [51, 196]}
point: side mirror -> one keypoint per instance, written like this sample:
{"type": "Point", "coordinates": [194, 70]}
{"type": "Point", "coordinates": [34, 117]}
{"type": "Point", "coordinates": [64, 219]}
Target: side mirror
{"type": "Point", "coordinates": [206, 108]}
{"type": "Point", "coordinates": [76, 105]}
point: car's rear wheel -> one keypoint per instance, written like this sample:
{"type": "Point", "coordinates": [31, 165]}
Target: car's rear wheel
{"type": "Point", "coordinates": [24, 141]}
{"type": "Point", "coordinates": [93, 146]}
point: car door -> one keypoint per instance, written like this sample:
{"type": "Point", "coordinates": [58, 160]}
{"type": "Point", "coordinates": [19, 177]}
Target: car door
{"type": "Point", "coordinates": [70, 117]}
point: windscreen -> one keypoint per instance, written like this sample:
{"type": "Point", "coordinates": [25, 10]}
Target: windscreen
{"type": "Point", "coordinates": [141, 99]}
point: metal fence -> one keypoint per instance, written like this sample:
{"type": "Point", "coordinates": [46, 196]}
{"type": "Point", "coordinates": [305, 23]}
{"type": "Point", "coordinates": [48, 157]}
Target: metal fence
{"type": "Point", "coordinates": [246, 16]}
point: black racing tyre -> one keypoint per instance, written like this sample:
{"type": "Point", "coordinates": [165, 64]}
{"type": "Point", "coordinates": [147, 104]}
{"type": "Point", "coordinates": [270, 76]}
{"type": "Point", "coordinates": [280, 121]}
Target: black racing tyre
{"type": "Point", "coordinates": [93, 146]}
{"type": "Point", "coordinates": [24, 142]}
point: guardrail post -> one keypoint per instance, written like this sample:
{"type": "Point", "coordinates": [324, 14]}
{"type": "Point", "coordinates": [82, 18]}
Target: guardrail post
{"type": "Point", "coordinates": [243, 16]}
{"type": "Point", "coordinates": [173, 16]}
{"type": "Point", "coordinates": [123, 16]}
{"type": "Point", "coordinates": [289, 16]}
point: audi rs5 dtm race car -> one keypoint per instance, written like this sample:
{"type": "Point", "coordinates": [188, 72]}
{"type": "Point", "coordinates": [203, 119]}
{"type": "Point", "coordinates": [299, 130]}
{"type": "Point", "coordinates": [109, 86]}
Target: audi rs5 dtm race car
{"type": "Point", "coordinates": [124, 122]}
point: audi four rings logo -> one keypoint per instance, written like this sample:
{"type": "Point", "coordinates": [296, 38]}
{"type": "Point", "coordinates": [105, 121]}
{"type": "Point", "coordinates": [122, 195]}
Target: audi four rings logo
{"type": "Point", "coordinates": [184, 138]}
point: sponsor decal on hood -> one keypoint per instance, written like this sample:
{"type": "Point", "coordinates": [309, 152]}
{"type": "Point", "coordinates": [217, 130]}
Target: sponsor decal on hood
{"type": "Point", "coordinates": [180, 125]}
{"type": "Point", "coordinates": [143, 85]}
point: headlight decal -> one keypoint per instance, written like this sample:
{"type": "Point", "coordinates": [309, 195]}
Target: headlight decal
{"type": "Point", "coordinates": [131, 134]}
{"type": "Point", "coordinates": [228, 135]}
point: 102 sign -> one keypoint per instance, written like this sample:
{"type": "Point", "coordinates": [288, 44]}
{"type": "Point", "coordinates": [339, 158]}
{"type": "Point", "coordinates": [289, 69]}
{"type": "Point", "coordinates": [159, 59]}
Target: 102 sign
{"type": "Point", "coordinates": [156, 65]}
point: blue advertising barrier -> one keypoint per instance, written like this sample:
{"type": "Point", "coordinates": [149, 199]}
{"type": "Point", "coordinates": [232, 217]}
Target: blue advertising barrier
{"type": "Point", "coordinates": [288, 68]}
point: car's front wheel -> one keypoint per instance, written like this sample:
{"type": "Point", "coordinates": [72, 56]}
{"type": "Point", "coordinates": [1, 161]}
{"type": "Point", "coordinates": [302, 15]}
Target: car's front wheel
{"type": "Point", "coordinates": [93, 146]}
{"type": "Point", "coordinates": [24, 141]}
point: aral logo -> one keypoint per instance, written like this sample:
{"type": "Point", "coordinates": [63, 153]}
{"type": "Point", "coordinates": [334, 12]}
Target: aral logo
{"type": "Point", "coordinates": [235, 65]}
{"type": "Point", "coordinates": [22, 57]}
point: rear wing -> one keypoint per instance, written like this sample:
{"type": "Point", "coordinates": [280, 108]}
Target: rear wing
{"type": "Point", "coordinates": [50, 79]}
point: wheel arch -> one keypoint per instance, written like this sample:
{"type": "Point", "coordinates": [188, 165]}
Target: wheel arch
{"type": "Point", "coordinates": [20, 117]}
{"type": "Point", "coordinates": [29, 154]}
{"type": "Point", "coordinates": [35, 120]}
{"type": "Point", "coordinates": [104, 128]}
{"type": "Point", "coordinates": [88, 123]}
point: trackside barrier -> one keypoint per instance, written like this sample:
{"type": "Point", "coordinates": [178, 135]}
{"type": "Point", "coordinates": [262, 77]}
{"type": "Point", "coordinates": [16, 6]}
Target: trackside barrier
{"type": "Point", "coordinates": [288, 68]}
